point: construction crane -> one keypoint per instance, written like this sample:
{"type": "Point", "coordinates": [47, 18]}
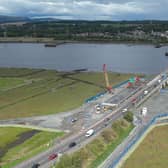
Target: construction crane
{"type": "Point", "coordinates": [108, 86]}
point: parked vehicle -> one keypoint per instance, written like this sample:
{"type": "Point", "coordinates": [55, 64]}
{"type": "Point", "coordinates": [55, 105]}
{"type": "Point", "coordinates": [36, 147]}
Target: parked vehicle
{"type": "Point", "coordinates": [89, 133]}
{"type": "Point", "coordinates": [98, 108]}
{"type": "Point", "coordinates": [72, 144]}
{"type": "Point", "coordinates": [53, 156]}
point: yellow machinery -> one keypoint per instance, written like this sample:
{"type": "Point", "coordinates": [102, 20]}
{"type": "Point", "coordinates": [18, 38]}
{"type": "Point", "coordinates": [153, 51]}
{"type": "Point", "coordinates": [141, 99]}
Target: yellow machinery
{"type": "Point", "coordinates": [108, 86]}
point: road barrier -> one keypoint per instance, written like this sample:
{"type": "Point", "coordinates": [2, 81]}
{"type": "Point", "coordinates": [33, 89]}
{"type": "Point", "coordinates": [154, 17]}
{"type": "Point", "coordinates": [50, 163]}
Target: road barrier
{"type": "Point", "coordinates": [137, 138]}
{"type": "Point", "coordinates": [163, 90]}
{"type": "Point", "coordinates": [93, 98]}
{"type": "Point", "coordinates": [120, 84]}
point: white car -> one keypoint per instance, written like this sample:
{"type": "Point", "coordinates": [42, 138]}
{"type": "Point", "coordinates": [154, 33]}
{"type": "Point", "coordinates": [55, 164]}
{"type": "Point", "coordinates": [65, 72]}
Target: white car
{"type": "Point", "coordinates": [98, 108]}
{"type": "Point", "coordinates": [89, 133]}
{"type": "Point", "coordinates": [124, 110]}
{"type": "Point", "coordinates": [145, 92]}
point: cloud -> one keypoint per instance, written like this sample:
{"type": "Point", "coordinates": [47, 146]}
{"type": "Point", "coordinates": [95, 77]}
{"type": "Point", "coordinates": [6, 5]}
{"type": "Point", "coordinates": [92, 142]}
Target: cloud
{"type": "Point", "coordinates": [87, 9]}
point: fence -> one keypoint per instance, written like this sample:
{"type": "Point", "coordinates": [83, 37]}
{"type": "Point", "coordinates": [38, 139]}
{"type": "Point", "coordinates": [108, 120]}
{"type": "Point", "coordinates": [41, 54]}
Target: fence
{"type": "Point", "coordinates": [116, 162]}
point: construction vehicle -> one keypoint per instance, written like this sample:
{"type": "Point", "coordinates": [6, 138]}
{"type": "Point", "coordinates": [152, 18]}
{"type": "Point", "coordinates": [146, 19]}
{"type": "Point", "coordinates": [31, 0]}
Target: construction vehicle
{"type": "Point", "coordinates": [133, 81]}
{"type": "Point", "coordinates": [108, 86]}
{"type": "Point", "coordinates": [108, 106]}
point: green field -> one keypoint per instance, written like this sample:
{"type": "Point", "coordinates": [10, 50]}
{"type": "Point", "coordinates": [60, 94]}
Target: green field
{"type": "Point", "coordinates": [94, 153]}
{"type": "Point", "coordinates": [7, 83]}
{"type": "Point", "coordinates": [32, 92]}
{"type": "Point", "coordinates": [30, 147]}
{"type": "Point", "coordinates": [152, 152]}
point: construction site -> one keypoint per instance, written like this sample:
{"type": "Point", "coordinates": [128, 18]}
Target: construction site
{"type": "Point", "coordinates": [72, 102]}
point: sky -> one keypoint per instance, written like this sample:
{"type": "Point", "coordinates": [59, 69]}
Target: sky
{"type": "Point", "coordinates": [87, 9]}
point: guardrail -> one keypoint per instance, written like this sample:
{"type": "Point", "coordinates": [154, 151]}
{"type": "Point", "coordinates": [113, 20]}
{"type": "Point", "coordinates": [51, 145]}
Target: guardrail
{"type": "Point", "coordinates": [126, 150]}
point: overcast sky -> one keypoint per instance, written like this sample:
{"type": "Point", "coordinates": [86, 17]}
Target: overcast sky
{"type": "Point", "coordinates": [87, 9]}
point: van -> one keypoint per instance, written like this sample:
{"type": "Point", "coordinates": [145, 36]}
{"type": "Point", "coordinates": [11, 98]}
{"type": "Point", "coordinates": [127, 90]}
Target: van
{"type": "Point", "coordinates": [144, 111]}
{"type": "Point", "coordinates": [89, 133]}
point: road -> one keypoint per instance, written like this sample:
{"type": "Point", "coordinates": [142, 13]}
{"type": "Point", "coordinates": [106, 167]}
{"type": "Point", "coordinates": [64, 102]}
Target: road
{"type": "Point", "coordinates": [98, 126]}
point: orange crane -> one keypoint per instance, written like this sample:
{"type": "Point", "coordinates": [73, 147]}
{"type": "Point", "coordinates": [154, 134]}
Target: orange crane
{"type": "Point", "coordinates": [108, 86]}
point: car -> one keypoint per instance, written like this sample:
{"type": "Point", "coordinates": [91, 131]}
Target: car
{"type": "Point", "coordinates": [98, 108]}
{"type": "Point", "coordinates": [124, 110]}
{"type": "Point", "coordinates": [36, 165]}
{"type": "Point", "coordinates": [53, 156]}
{"type": "Point", "coordinates": [72, 144]}
{"type": "Point", "coordinates": [89, 133]}
{"type": "Point", "coordinates": [105, 124]}
{"type": "Point", "coordinates": [133, 100]}
{"type": "Point", "coordinates": [106, 119]}
{"type": "Point", "coordinates": [74, 120]}
{"type": "Point", "coordinates": [145, 92]}
{"type": "Point", "coordinates": [144, 111]}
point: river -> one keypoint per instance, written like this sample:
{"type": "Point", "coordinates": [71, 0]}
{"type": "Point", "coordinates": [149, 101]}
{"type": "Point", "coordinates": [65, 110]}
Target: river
{"type": "Point", "coordinates": [118, 57]}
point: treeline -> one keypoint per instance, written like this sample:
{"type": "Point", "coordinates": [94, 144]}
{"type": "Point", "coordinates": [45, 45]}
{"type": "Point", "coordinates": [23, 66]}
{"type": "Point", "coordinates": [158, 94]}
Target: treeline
{"type": "Point", "coordinates": [70, 29]}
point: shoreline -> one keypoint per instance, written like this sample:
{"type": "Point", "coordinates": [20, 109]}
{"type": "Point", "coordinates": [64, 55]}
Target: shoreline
{"type": "Point", "coordinates": [62, 42]}
{"type": "Point", "coordinates": [76, 70]}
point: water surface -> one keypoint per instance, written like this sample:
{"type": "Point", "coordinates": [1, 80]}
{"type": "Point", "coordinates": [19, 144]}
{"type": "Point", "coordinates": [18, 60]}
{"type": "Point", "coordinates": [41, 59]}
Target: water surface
{"type": "Point", "coordinates": [118, 57]}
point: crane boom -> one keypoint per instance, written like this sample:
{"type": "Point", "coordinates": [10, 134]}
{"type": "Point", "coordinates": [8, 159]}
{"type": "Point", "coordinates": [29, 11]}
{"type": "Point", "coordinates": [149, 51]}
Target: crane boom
{"type": "Point", "coordinates": [106, 78]}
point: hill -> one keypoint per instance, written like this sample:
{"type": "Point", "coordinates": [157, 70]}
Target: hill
{"type": "Point", "coordinates": [6, 19]}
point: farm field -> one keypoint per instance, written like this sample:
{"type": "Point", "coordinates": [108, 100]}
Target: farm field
{"type": "Point", "coordinates": [33, 92]}
{"type": "Point", "coordinates": [19, 144]}
{"type": "Point", "coordinates": [152, 152]}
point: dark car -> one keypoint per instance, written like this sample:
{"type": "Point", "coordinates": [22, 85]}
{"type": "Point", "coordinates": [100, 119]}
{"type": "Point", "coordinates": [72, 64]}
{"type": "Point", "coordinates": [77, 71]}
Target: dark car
{"type": "Point", "coordinates": [52, 156]}
{"type": "Point", "coordinates": [74, 120]}
{"type": "Point", "coordinates": [72, 144]}
{"type": "Point", "coordinates": [107, 119]}
{"type": "Point", "coordinates": [36, 165]}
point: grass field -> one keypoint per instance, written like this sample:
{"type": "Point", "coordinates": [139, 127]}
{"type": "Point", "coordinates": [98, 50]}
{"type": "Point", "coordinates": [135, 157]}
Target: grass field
{"type": "Point", "coordinates": [9, 135]}
{"type": "Point", "coordinates": [31, 146]}
{"type": "Point", "coordinates": [48, 91]}
{"type": "Point", "coordinates": [6, 83]}
{"type": "Point", "coordinates": [152, 152]}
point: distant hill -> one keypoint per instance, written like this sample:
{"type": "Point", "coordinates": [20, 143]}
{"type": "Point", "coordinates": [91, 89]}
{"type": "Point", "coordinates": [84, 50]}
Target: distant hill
{"type": "Point", "coordinates": [6, 19]}
{"type": "Point", "coordinates": [44, 19]}
{"type": "Point", "coordinates": [10, 19]}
